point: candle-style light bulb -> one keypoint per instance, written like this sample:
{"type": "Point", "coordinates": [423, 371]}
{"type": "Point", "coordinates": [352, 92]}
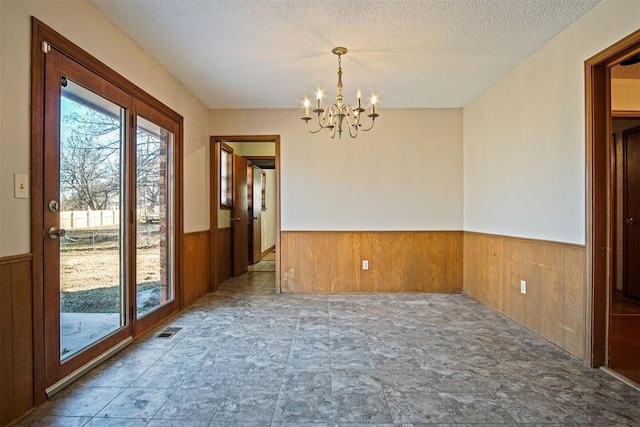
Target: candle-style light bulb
{"type": "Point", "coordinates": [358, 97]}
{"type": "Point", "coordinates": [374, 100]}
{"type": "Point", "coordinates": [319, 96]}
{"type": "Point", "coordinates": [306, 107]}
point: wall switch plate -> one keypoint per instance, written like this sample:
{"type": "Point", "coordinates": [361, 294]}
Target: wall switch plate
{"type": "Point", "coordinates": [365, 264]}
{"type": "Point", "coordinates": [20, 186]}
{"type": "Point", "coordinates": [523, 286]}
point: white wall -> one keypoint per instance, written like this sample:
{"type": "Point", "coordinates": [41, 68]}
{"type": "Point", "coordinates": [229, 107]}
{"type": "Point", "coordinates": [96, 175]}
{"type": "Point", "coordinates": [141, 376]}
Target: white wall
{"type": "Point", "coordinates": [85, 26]}
{"type": "Point", "coordinates": [406, 174]}
{"type": "Point", "coordinates": [269, 224]}
{"type": "Point", "coordinates": [524, 138]}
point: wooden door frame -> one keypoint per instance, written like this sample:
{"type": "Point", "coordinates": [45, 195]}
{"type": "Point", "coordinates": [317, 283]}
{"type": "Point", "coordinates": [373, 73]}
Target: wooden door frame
{"type": "Point", "coordinates": [214, 198]}
{"type": "Point", "coordinates": [41, 34]}
{"type": "Point", "coordinates": [600, 205]}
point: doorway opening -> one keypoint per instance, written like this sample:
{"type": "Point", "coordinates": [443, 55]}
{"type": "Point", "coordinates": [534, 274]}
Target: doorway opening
{"type": "Point", "coordinates": [613, 328]}
{"type": "Point", "coordinates": [244, 206]}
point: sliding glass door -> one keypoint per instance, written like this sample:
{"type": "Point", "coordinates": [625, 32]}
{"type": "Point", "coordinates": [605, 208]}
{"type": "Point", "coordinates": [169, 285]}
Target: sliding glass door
{"type": "Point", "coordinates": [154, 213]}
{"type": "Point", "coordinates": [109, 217]}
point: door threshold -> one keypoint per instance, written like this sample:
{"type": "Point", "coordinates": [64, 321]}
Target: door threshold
{"type": "Point", "coordinates": [58, 386]}
{"type": "Point", "coordinates": [621, 377]}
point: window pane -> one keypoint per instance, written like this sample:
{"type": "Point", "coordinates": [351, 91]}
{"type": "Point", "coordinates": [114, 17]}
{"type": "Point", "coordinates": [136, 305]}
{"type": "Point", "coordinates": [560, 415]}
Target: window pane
{"type": "Point", "coordinates": [91, 198]}
{"type": "Point", "coordinates": [226, 176]}
{"type": "Point", "coordinates": [154, 225]}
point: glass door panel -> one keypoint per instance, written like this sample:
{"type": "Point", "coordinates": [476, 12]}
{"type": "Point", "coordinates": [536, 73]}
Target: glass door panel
{"type": "Point", "coordinates": [91, 234]}
{"type": "Point", "coordinates": [155, 217]}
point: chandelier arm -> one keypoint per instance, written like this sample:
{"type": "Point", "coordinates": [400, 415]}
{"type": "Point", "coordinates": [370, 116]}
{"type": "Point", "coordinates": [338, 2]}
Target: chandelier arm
{"type": "Point", "coordinates": [324, 118]}
{"type": "Point", "coordinates": [373, 121]}
{"type": "Point", "coordinates": [306, 125]}
{"type": "Point", "coordinates": [355, 131]}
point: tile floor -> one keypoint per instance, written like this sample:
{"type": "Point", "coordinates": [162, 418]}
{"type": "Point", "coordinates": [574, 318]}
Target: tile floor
{"type": "Point", "coordinates": [249, 357]}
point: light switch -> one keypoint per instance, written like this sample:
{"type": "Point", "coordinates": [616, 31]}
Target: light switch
{"type": "Point", "coordinates": [20, 186]}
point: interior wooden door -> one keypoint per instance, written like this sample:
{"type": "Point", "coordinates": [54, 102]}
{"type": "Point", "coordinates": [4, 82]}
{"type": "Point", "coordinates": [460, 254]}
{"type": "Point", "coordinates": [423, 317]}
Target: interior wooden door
{"type": "Point", "coordinates": [256, 214]}
{"type": "Point", "coordinates": [624, 312]}
{"type": "Point", "coordinates": [631, 203]}
{"type": "Point", "coordinates": [240, 217]}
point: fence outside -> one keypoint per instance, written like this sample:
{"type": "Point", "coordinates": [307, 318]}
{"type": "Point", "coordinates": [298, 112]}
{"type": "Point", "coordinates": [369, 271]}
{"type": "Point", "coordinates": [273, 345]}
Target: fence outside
{"type": "Point", "coordinates": [70, 220]}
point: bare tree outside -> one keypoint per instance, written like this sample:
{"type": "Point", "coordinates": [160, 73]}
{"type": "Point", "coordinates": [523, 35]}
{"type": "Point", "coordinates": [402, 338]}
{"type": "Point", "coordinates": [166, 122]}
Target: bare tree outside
{"type": "Point", "coordinates": [90, 161]}
{"type": "Point", "coordinates": [90, 180]}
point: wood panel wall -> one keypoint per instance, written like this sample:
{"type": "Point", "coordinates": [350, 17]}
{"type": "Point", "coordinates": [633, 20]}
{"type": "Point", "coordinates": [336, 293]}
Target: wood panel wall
{"type": "Point", "coordinates": [223, 254]}
{"type": "Point", "coordinates": [399, 261]}
{"type": "Point", "coordinates": [554, 305]}
{"type": "Point", "coordinates": [16, 337]}
{"type": "Point", "coordinates": [197, 258]}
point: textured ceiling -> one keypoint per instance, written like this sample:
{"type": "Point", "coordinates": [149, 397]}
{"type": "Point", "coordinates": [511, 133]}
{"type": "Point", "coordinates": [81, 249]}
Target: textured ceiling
{"type": "Point", "coordinates": [273, 53]}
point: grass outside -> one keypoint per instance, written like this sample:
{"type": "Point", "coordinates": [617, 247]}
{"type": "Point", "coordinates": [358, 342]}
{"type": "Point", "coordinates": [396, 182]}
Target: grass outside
{"type": "Point", "coordinates": [90, 267]}
{"type": "Point", "coordinates": [97, 300]}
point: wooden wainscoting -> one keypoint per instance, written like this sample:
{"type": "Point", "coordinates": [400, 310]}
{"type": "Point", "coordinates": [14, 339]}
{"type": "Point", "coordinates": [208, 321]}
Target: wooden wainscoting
{"type": "Point", "coordinates": [197, 258]}
{"type": "Point", "coordinates": [16, 337]}
{"type": "Point", "coordinates": [399, 261]}
{"type": "Point", "coordinates": [224, 255]}
{"type": "Point", "coordinates": [554, 305]}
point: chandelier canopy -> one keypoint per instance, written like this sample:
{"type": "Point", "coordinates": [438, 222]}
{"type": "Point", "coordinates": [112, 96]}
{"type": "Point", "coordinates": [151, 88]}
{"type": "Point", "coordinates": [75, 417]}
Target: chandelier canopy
{"type": "Point", "coordinates": [335, 115]}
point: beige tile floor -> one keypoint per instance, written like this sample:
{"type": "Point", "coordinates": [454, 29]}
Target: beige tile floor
{"type": "Point", "coordinates": [246, 356]}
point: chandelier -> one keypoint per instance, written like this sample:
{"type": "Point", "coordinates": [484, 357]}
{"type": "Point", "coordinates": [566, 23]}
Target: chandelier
{"type": "Point", "coordinates": [334, 116]}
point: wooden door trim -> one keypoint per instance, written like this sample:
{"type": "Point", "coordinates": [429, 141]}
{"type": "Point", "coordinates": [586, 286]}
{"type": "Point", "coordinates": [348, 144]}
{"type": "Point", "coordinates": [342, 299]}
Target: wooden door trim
{"type": "Point", "coordinates": [214, 196]}
{"type": "Point", "coordinates": [625, 114]}
{"type": "Point", "coordinates": [599, 184]}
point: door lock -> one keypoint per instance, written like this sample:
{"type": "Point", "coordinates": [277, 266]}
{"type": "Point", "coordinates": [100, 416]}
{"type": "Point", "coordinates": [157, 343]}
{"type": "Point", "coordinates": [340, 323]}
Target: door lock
{"type": "Point", "coordinates": [54, 206]}
{"type": "Point", "coordinates": [630, 221]}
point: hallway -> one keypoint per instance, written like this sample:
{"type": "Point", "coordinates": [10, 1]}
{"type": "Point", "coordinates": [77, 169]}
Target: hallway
{"type": "Point", "coordinates": [248, 357]}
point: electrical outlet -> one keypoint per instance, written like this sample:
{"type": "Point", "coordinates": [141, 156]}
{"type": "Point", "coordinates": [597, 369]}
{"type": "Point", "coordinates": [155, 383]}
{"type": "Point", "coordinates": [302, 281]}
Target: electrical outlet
{"type": "Point", "coordinates": [523, 286]}
{"type": "Point", "coordinates": [365, 264]}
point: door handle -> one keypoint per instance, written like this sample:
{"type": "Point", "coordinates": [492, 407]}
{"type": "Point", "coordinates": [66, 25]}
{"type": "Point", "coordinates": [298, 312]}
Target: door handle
{"type": "Point", "coordinates": [55, 232]}
{"type": "Point", "coordinates": [630, 221]}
